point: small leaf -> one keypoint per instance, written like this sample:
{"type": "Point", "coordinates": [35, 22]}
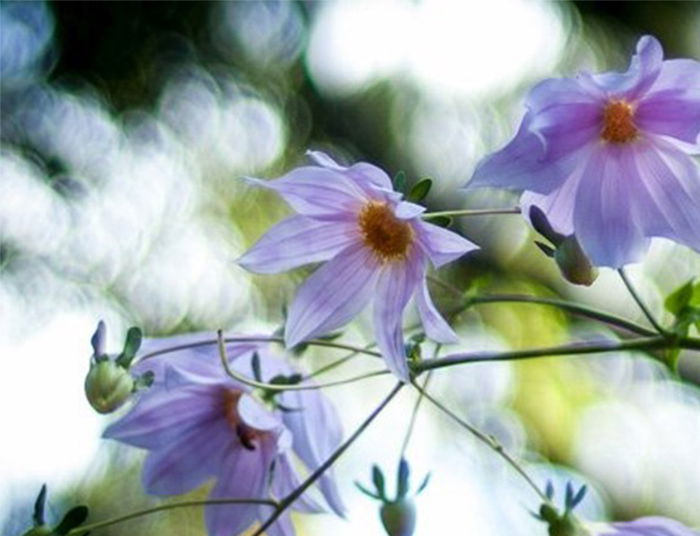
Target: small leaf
{"type": "Point", "coordinates": [255, 365]}
{"type": "Point", "coordinates": [423, 484]}
{"type": "Point", "coordinates": [366, 491]}
{"type": "Point", "coordinates": [400, 182]}
{"type": "Point", "coordinates": [98, 339]}
{"type": "Point", "coordinates": [420, 190]}
{"type": "Point", "coordinates": [378, 479]}
{"type": "Point", "coordinates": [441, 221]}
{"type": "Point", "coordinates": [544, 248]}
{"type": "Point", "coordinates": [131, 346]}
{"type": "Point", "coordinates": [541, 225]}
{"type": "Point", "coordinates": [281, 379]}
{"type": "Point", "coordinates": [73, 518]}
{"type": "Point", "coordinates": [39, 505]}
{"type": "Point", "coordinates": [145, 380]}
{"type": "Point", "coordinates": [679, 298]}
{"type": "Point", "coordinates": [580, 494]}
{"type": "Point", "coordinates": [402, 479]}
{"type": "Point", "coordinates": [569, 496]}
{"type": "Point", "coordinates": [549, 490]}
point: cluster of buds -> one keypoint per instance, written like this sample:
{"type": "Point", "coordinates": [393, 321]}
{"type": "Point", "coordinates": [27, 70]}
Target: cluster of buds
{"type": "Point", "coordinates": [109, 383]}
{"type": "Point", "coordinates": [72, 519]}
{"type": "Point", "coordinates": [563, 523]}
{"type": "Point", "coordinates": [398, 515]}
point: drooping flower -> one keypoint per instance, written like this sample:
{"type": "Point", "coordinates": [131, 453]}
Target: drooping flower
{"type": "Point", "coordinates": [199, 424]}
{"type": "Point", "coordinates": [375, 247]}
{"type": "Point", "coordinates": [644, 526]}
{"type": "Point", "coordinates": [606, 156]}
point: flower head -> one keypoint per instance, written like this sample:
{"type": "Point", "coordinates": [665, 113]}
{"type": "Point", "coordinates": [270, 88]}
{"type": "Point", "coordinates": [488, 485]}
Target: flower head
{"type": "Point", "coordinates": [375, 248]}
{"type": "Point", "coordinates": [199, 424]}
{"type": "Point", "coordinates": [606, 156]}
{"type": "Point", "coordinates": [644, 526]}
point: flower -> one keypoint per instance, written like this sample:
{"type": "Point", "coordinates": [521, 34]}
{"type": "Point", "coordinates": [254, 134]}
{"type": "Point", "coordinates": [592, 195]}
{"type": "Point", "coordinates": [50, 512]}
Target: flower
{"type": "Point", "coordinates": [375, 247]}
{"type": "Point", "coordinates": [606, 156]}
{"type": "Point", "coordinates": [644, 526]}
{"type": "Point", "coordinates": [199, 424]}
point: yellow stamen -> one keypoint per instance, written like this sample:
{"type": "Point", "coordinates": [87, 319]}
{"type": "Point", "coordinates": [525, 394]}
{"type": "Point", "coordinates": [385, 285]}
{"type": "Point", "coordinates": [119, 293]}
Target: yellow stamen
{"type": "Point", "coordinates": [387, 236]}
{"type": "Point", "coordinates": [618, 122]}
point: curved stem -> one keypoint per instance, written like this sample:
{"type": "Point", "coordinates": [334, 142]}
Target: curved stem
{"type": "Point", "coordinates": [471, 212]}
{"type": "Point", "coordinates": [169, 506]}
{"type": "Point", "coordinates": [294, 495]}
{"type": "Point", "coordinates": [489, 440]}
{"type": "Point", "coordinates": [334, 364]}
{"type": "Point", "coordinates": [278, 387]}
{"type": "Point", "coordinates": [640, 303]}
{"type": "Point", "coordinates": [645, 344]}
{"type": "Point", "coordinates": [574, 308]}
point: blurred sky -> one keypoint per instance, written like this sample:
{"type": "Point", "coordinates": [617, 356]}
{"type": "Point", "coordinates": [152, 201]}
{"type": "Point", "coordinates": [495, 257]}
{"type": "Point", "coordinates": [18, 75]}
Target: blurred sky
{"type": "Point", "coordinates": [126, 127]}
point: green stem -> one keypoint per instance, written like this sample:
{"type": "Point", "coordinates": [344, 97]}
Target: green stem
{"type": "Point", "coordinates": [645, 344]}
{"type": "Point", "coordinates": [640, 302]}
{"type": "Point", "coordinates": [169, 506]}
{"type": "Point", "coordinates": [278, 387]}
{"type": "Point", "coordinates": [471, 212]}
{"type": "Point", "coordinates": [574, 308]}
{"type": "Point", "coordinates": [294, 495]}
{"type": "Point", "coordinates": [489, 440]}
{"type": "Point", "coordinates": [334, 364]}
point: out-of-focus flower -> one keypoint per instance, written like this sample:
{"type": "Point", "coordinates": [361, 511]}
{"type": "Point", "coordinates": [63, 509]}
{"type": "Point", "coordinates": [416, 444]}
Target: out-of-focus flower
{"type": "Point", "coordinates": [644, 526]}
{"type": "Point", "coordinates": [375, 244]}
{"type": "Point", "coordinates": [606, 156]}
{"type": "Point", "coordinates": [199, 424]}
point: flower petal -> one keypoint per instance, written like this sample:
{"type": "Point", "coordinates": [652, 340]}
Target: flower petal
{"type": "Point", "coordinates": [649, 526]}
{"type": "Point", "coordinates": [671, 113]}
{"type": "Point", "coordinates": [368, 176]}
{"type": "Point", "coordinates": [318, 192]}
{"type": "Point", "coordinates": [332, 295]}
{"type": "Point", "coordinates": [285, 480]}
{"type": "Point", "coordinates": [406, 210]}
{"type": "Point", "coordinates": [604, 217]}
{"type": "Point", "coordinates": [255, 415]}
{"type": "Point", "coordinates": [434, 324]}
{"type": "Point", "coordinates": [296, 241]}
{"type": "Point", "coordinates": [397, 283]}
{"type": "Point", "coordinates": [244, 475]}
{"type": "Point", "coordinates": [440, 244]}
{"type": "Point", "coordinates": [282, 527]}
{"type": "Point", "coordinates": [188, 461]}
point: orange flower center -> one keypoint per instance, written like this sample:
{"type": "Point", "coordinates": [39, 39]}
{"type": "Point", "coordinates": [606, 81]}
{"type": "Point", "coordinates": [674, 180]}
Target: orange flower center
{"type": "Point", "coordinates": [387, 236]}
{"type": "Point", "coordinates": [618, 122]}
{"type": "Point", "coordinates": [248, 436]}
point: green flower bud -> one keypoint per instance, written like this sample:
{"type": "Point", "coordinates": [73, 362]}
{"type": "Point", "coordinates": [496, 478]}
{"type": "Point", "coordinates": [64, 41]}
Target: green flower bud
{"type": "Point", "coordinates": [399, 517]}
{"type": "Point", "coordinates": [573, 263]}
{"type": "Point", "coordinates": [42, 530]}
{"type": "Point", "coordinates": [108, 386]}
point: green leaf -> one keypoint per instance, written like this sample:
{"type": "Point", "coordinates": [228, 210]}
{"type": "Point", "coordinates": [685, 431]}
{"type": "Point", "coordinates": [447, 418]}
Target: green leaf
{"type": "Point", "coordinates": [441, 221]}
{"type": "Point", "coordinates": [400, 181]}
{"type": "Point", "coordinates": [73, 518]}
{"type": "Point", "coordinates": [255, 365]}
{"type": "Point", "coordinates": [402, 479]}
{"type": "Point", "coordinates": [680, 298]}
{"type": "Point", "coordinates": [39, 505]}
{"type": "Point", "coordinates": [420, 190]}
{"type": "Point", "coordinates": [131, 346]}
{"type": "Point", "coordinates": [423, 484]}
{"type": "Point", "coordinates": [378, 479]}
{"type": "Point", "coordinates": [367, 492]}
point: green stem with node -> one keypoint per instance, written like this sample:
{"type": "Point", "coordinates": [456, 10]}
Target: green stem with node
{"type": "Point", "coordinates": [470, 212]}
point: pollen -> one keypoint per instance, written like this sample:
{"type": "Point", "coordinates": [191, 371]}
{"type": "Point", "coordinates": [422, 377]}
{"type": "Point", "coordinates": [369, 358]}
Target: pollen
{"type": "Point", "coordinates": [618, 122]}
{"type": "Point", "coordinates": [387, 236]}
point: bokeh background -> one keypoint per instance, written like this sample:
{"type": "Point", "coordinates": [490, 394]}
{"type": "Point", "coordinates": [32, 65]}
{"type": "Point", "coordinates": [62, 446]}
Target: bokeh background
{"type": "Point", "coordinates": [126, 127]}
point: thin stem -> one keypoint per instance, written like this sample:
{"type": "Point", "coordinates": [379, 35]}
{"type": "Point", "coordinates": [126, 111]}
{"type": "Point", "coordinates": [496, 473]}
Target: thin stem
{"type": "Point", "coordinates": [321, 343]}
{"type": "Point", "coordinates": [644, 344]}
{"type": "Point", "coordinates": [574, 308]}
{"type": "Point", "coordinates": [334, 364]}
{"type": "Point", "coordinates": [471, 212]}
{"type": "Point", "coordinates": [489, 440]}
{"type": "Point", "coordinates": [639, 301]}
{"type": "Point", "coordinates": [414, 415]}
{"type": "Point", "coordinates": [169, 506]}
{"type": "Point", "coordinates": [294, 495]}
{"type": "Point", "coordinates": [278, 387]}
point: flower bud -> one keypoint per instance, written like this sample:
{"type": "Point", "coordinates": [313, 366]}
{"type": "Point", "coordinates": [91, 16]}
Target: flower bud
{"type": "Point", "coordinates": [573, 263]}
{"type": "Point", "coordinates": [399, 517]}
{"type": "Point", "coordinates": [108, 386]}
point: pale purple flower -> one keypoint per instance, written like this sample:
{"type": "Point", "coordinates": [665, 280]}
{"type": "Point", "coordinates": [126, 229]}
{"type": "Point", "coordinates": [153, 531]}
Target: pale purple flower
{"type": "Point", "coordinates": [198, 424]}
{"type": "Point", "coordinates": [645, 526]}
{"type": "Point", "coordinates": [606, 156]}
{"type": "Point", "coordinates": [375, 247]}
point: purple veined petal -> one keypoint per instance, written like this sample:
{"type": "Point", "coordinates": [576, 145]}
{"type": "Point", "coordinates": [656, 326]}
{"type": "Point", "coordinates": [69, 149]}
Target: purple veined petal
{"type": "Point", "coordinates": [318, 192]}
{"type": "Point", "coordinates": [282, 527]}
{"type": "Point", "coordinates": [255, 415]}
{"type": "Point", "coordinates": [188, 461]}
{"type": "Point", "coordinates": [317, 433]}
{"type": "Point", "coordinates": [668, 193]}
{"type": "Point", "coordinates": [332, 295]}
{"type": "Point", "coordinates": [161, 416]}
{"type": "Point", "coordinates": [363, 173]}
{"type": "Point", "coordinates": [397, 283]}
{"type": "Point", "coordinates": [296, 241]}
{"type": "Point", "coordinates": [435, 326]}
{"type": "Point", "coordinates": [678, 75]}
{"type": "Point", "coordinates": [643, 71]}
{"type": "Point", "coordinates": [324, 160]}
{"type": "Point", "coordinates": [604, 217]}
{"type": "Point", "coordinates": [441, 245]}
{"type": "Point", "coordinates": [285, 480]}
{"type": "Point", "coordinates": [648, 526]}
{"type": "Point", "coordinates": [518, 165]}
{"type": "Point", "coordinates": [671, 113]}
{"type": "Point", "coordinates": [557, 92]}
{"type": "Point", "coordinates": [406, 210]}
{"type": "Point", "coordinates": [243, 474]}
